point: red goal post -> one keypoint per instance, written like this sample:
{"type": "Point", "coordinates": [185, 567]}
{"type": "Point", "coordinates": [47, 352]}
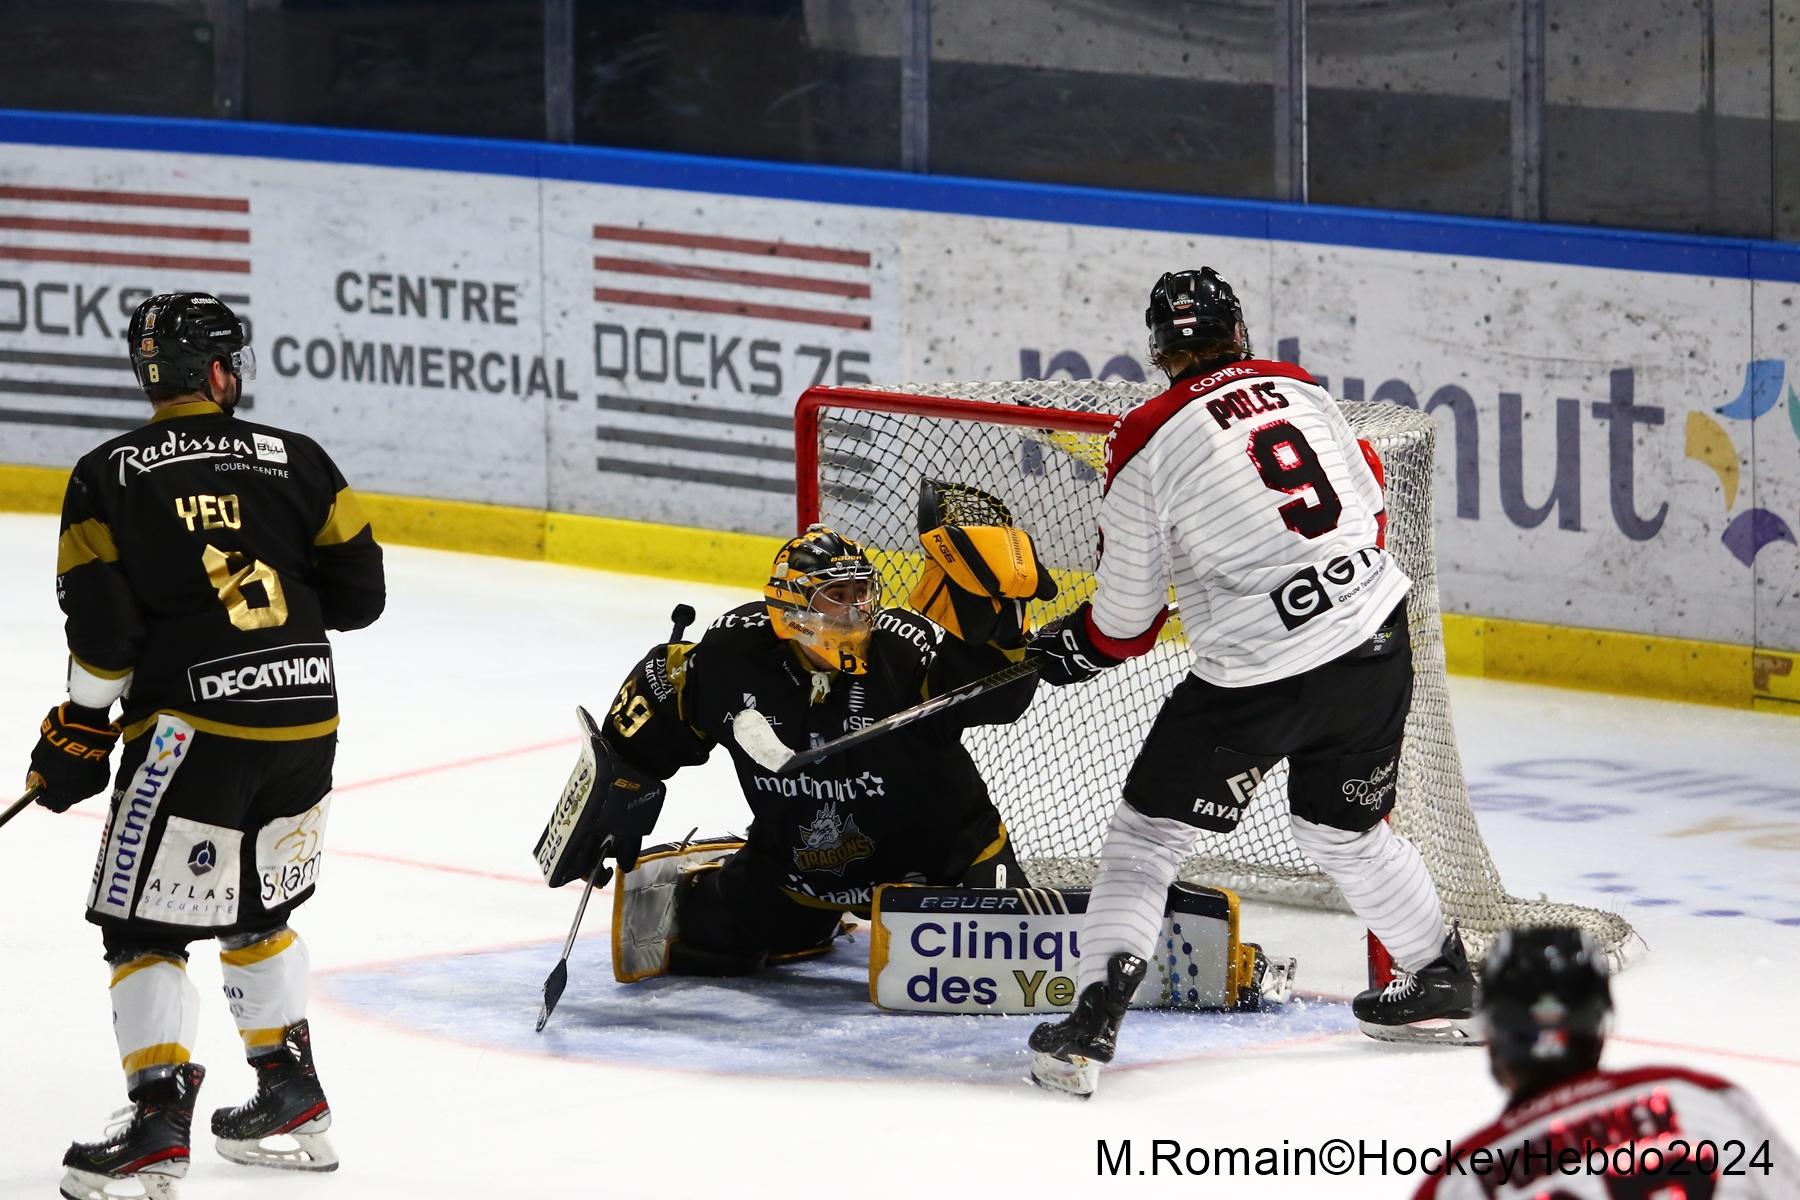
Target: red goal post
{"type": "Point", "coordinates": [1057, 773]}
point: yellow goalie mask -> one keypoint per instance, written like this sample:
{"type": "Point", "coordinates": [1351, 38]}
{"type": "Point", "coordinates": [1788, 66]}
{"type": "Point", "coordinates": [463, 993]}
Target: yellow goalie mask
{"type": "Point", "coordinates": [822, 595]}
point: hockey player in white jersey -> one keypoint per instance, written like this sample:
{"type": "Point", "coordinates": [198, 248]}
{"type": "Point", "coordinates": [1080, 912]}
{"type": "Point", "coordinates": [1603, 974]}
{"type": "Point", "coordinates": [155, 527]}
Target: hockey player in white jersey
{"type": "Point", "coordinates": [1574, 1131]}
{"type": "Point", "coordinates": [1244, 487]}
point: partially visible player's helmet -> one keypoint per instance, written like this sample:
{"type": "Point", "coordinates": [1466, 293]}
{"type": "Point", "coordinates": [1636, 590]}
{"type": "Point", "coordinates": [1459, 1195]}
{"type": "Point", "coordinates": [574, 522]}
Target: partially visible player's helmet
{"type": "Point", "coordinates": [1196, 311]}
{"type": "Point", "coordinates": [1545, 998]}
{"type": "Point", "coordinates": [822, 594]}
{"type": "Point", "coordinates": [174, 338]}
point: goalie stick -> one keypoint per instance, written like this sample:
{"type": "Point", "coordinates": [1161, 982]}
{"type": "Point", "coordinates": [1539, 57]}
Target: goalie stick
{"type": "Point", "coordinates": [558, 979]}
{"type": "Point", "coordinates": [760, 742]}
{"type": "Point", "coordinates": [18, 806]}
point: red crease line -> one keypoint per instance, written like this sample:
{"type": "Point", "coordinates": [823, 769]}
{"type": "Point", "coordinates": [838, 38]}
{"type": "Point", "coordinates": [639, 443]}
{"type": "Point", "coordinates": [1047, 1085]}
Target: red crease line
{"type": "Point", "coordinates": [456, 764]}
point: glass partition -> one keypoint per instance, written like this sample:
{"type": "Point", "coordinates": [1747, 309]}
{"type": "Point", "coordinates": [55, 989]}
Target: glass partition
{"type": "Point", "coordinates": [1657, 115]}
{"type": "Point", "coordinates": [1138, 94]}
{"type": "Point", "coordinates": [140, 57]}
{"type": "Point", "coordinates": [814, 81]}
{"type": "Point", "coordinates": [471, 67]}
{"type": "Point", "coordinates": [1409, 104]}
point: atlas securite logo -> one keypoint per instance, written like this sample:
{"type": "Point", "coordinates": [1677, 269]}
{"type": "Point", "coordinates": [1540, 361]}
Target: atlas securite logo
{"type": "Point", "coordinates": [1753, 528]}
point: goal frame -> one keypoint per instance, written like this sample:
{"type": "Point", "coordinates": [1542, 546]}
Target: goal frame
{"type": "Point", "coordinates": [1476, 893]}
{"type": "Point", "coordinates": [808, 414]}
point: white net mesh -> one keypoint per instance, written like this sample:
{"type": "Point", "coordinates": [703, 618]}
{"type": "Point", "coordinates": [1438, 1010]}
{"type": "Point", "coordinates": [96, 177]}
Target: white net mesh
{"type": "Point", "coordinates": [1057, 773]}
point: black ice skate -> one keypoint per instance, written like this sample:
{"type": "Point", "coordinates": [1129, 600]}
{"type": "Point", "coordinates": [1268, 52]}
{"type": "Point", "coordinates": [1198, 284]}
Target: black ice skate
{"type": "Point", "coordinates": [289, 1104]}
{"type": "Point", "coordinates": [1434, 1003]}
{"type": "Point", "coordinates": [1066, 1054]}
{"type": "Point", "coordinates": [147, 1142]}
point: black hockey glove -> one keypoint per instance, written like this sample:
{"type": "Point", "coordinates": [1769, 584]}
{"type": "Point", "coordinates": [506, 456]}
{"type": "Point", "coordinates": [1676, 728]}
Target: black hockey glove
{"type": "Point", "coordinates": [1067, 650]}
{"type": "Point", "coordinates": [69, 761]}
{"type": "Point", "coordinates": [633, 802]}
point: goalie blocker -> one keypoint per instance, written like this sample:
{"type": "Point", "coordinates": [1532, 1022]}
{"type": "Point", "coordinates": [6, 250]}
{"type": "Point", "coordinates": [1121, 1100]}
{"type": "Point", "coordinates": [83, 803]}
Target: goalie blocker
{"type": "Point", "coordinates": [585, 827]}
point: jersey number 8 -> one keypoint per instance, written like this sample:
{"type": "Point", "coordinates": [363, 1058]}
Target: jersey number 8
{"type": "Point", "coordinates": [230, 586]}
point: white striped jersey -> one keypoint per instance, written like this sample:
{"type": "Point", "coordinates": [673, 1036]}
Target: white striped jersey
{"type": "Point", "coordinates": [1641, 1134]}
{"type": "Point", "coordinates": [1247, 490]}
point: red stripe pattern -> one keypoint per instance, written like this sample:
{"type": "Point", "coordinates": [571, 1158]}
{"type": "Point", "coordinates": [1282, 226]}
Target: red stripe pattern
{"type": "Point", "coordinates": [96, 227]}
{"type": "Point", "coordinates": [729, 282]}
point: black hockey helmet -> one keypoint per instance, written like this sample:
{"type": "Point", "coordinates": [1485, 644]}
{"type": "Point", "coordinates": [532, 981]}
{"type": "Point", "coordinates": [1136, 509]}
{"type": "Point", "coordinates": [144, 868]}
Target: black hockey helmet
{"type": "Point", "coordinates": [174, 338]}
{"type": "Point", "coordinates": [1545, 998]}
{"type": "Point", "coordinates": [1190, 309]}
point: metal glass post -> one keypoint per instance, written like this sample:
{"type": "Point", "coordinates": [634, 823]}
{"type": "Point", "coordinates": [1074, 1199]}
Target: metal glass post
{"type": "Point", "coordinates": [915, 85]}
{"type": "Point", "coordinates": [230, 53]}
{"type": "Point", "coordinates": [1528, 110]}
{"type": "Point", "coordinates": [559, 70]}
{"type": "Point", "coordinates": [1290, 100]}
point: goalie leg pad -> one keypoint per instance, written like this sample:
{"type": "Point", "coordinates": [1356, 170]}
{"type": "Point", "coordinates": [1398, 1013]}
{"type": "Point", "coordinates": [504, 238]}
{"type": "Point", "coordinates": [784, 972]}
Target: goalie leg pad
{"type": "Point", "coordinates": [1018, 950]}
{"type": "Point", "coordinates": [740, 915]}
{"type": "Point", "coordinates": [645, 902]}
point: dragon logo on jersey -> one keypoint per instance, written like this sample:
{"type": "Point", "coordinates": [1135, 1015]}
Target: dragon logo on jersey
{"type": "Point", "coordinates": [831, 842]}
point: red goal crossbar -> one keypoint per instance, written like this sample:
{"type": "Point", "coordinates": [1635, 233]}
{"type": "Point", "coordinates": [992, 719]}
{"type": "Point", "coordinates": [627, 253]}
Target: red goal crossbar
{"type": "Point", "coordinates": [808, 413]}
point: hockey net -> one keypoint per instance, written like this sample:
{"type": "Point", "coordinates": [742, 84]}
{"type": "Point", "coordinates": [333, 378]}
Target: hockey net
{"type": "Point", "coordinates": [1057, 774]}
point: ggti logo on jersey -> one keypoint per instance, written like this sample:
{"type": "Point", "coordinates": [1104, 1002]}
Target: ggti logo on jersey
{"type": "Point", "coordinates": [1309, 591]}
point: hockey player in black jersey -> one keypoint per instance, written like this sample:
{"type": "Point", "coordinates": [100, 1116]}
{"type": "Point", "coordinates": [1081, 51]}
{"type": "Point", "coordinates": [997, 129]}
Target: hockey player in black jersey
{"type": "Point", "coordinates": [817, 658]}
{"type": "Point", "coordinates": [201, 561]}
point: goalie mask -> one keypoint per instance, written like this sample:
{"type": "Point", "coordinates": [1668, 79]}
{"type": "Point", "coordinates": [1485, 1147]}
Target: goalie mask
{"type": "Point", "coordinates": [1196, 311]}
{"type": "Point", "coordinates": [822, 595]}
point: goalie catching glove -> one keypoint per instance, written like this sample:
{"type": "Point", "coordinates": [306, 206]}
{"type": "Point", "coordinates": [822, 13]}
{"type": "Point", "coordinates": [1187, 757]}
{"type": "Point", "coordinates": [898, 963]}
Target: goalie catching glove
{"type": "Point", "coordinates": [980, 569]}
{"type": "Point", "coordinates": [607, 808]}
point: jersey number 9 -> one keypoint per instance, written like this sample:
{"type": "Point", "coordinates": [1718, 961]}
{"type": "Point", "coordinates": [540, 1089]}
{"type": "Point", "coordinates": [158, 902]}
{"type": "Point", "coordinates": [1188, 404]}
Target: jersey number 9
{"type": "Point", "coordinates": [1287, 463]}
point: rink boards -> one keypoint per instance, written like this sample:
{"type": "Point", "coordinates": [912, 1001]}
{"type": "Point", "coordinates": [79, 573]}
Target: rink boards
{"type": "Point", "coordinates": [550, 343]}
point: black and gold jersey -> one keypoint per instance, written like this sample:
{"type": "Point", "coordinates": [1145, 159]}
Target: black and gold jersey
{"type": "Point", "coordinates": [907, 806]}
{"type": "Point", "coordinates": [201, 561]}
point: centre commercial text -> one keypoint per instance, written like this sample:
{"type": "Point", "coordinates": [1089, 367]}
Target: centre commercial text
{"type": "Point", "coordinates": [404, 364]}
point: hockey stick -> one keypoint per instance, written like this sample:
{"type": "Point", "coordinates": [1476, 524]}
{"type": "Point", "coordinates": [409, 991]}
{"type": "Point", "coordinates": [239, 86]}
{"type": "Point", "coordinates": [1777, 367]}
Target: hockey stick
{"type": "Point", "coordinates": [18, 806]}
{"type": "Point", "coordinates": [759, 741]}
{"type": "Point", "coordinates": [559, 975]}
{"type": "Point", "coordinates": [683, 616]}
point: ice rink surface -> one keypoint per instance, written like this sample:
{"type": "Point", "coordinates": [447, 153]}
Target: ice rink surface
{"type": "Point", "coordinates": [432, 932]}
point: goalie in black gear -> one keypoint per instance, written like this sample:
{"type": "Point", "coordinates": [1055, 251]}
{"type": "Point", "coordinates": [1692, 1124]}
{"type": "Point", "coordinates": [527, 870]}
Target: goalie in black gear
{"type": "Point", "coordinates": [817, 657]}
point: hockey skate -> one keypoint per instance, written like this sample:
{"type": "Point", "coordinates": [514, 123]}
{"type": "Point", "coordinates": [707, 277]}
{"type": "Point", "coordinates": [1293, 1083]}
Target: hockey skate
{"type": "Point", "coordinates": [146, 1142]}
{"type": "Point", "coordinates": [1436, 1003]}
{"type": "Point", "coordinates": [288, 1106]}
{"type": "Point", "coordinates": [1066, 1054]}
